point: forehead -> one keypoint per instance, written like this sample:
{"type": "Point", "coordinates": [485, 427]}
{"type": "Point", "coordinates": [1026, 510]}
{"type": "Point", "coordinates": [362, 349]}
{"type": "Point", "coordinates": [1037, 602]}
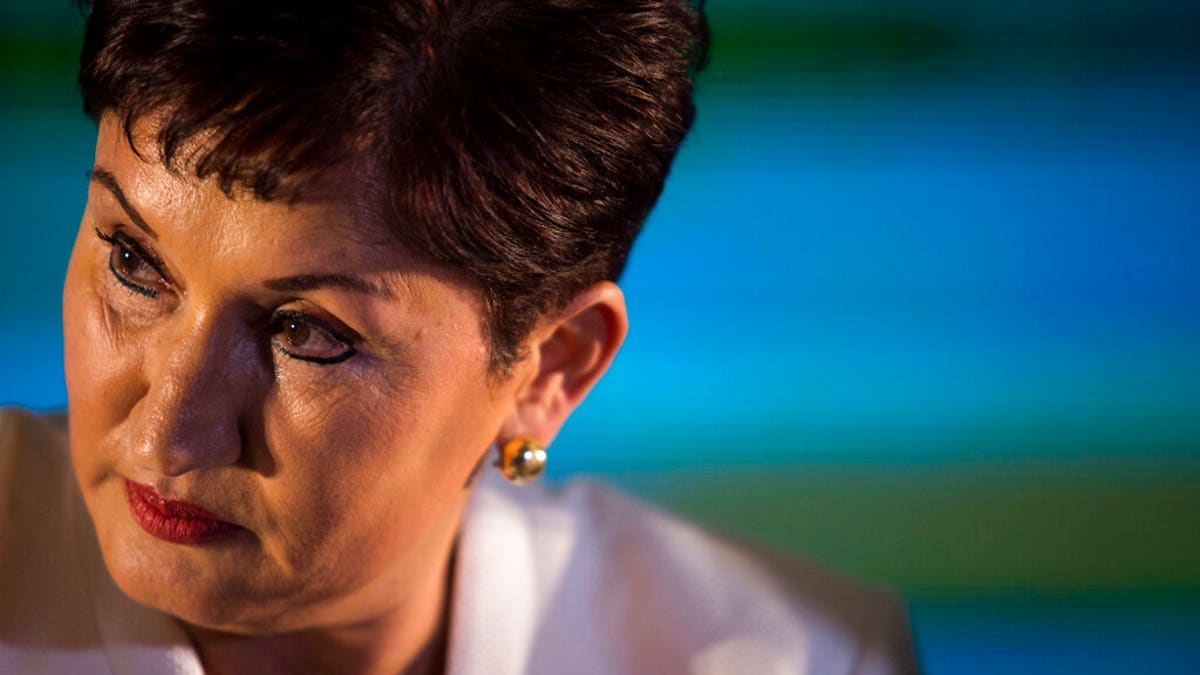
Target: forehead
{"type": "Point", "coordinates": [330, 227]}
{"type": "Point", "coordinates": [338, 197]}
{"type": "Point", "coordinates": [221, 248]}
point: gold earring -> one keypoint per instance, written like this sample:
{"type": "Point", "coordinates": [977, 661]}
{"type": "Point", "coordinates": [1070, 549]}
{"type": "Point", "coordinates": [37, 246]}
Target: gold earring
{"type": "Point", "coordinates": [522, 459]}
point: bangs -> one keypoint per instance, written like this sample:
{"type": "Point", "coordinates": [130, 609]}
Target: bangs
{"type": "Point", "coordinates": [521, 142]}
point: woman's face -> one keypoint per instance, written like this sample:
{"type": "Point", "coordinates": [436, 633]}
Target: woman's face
{"type": "Point", "coordinates": [321, 395]}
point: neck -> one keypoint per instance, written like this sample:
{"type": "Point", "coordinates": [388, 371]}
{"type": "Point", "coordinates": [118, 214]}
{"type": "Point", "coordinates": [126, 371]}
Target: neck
{"type": "Point", "coordinates": [410, 640]}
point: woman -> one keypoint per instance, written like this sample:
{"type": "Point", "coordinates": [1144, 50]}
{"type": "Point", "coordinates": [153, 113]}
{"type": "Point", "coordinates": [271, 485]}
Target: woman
{"type": "Point", "coordinates": [333, 255]}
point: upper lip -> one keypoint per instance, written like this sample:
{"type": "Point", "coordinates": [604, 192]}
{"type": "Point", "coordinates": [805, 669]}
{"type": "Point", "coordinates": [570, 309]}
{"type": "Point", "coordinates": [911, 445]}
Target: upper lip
{"type": "Point", "coordinates": [176, 508]}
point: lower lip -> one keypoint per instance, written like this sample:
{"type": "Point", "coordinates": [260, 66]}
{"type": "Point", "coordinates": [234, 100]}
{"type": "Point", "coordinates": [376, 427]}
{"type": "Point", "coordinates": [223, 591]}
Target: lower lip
{"type": "Point", "coordinates": [176, 522]}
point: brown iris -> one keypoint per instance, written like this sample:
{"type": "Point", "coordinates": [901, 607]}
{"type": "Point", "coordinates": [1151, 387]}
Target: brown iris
{"type": "Point", "coordinates": [296, 333]}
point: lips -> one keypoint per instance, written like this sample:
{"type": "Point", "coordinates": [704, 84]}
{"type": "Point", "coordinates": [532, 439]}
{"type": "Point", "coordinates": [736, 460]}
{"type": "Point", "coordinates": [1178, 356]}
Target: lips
{"type": "Point", "coordinates": [174, 521]}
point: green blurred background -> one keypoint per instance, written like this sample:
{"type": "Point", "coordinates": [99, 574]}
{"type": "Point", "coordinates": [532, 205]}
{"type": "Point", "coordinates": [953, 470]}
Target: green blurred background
{"type": "Point", "coordinates": [921, 301]}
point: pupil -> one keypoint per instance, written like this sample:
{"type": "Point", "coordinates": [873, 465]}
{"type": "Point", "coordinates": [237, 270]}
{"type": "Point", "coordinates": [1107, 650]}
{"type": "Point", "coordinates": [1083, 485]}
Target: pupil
{"type": "Point", "coordinates": [297, 333]}
{"type": "Point", "coordinates": [127, 261]}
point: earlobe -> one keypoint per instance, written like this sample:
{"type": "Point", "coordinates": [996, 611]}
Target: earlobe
{"type": "Point", "coordinates": [571, 352]}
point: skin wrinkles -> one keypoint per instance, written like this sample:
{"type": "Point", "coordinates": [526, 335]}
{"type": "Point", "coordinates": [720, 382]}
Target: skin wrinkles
{"type": "Point", "coordinates": [362, 229]}
{"type": "Point", "coordinates": [348, 479]}
{"type": "Point", "coordinates": [195, 354]}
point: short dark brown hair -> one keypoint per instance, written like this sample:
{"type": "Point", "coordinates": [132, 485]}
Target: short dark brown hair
{"type": "Point", "coordinates": [522, 142]}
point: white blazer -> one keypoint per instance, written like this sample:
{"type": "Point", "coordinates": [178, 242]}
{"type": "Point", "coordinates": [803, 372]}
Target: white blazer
{"type": "Point", "coordinates": [578, 582]}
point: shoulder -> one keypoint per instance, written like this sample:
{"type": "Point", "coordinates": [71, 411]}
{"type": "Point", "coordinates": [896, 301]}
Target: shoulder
{"type": "Point", "coordinates": [33, 461]}
{"type": "Point", "coordinates": [23, 432]}
{"type": "Point", "coordinates": [34, 470]}
{"type": "Point", "coordinates": [659, 594]}
{"type": "Point", "coordinates": [60, 612]}
{"type": "Point", "coordinates": [45, 614]}
{"type": "Point", "coordinates": [729, 603]}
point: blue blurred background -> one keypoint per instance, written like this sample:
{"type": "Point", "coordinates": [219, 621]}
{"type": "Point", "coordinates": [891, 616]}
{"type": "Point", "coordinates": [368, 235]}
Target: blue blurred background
{"type": "Point", "coordinates": [921, 301]}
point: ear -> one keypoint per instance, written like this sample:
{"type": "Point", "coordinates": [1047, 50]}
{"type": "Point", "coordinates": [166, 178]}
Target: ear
{"type": "Point", "coordinates": [568, 354]}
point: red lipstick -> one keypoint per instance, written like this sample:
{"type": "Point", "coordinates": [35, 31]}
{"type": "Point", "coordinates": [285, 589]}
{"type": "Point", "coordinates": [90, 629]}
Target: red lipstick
{"type": "Point", "coordinates": [176, 522]}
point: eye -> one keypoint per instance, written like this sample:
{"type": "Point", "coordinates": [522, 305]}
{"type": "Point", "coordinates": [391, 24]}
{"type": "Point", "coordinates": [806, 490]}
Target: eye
{"type": "Point", "coordinates": [132, 266]}
{"type": "Point", "coordinates": [307, 338]}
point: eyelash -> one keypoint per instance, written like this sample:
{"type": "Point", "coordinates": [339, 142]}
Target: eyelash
{"type": "Point", "coordinates": [281, 319]}
{"type": "Point", "coordinates": [119, 240]}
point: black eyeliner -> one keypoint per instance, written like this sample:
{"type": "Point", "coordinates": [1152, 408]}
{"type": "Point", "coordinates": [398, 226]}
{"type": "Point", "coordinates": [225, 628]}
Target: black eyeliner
{"type": "Point", "coordinates": [118, 239]}
{"type": "Point", "coordinates": [130, 243]}
{"type": "Point", "coordinates": [127, 243]}
{"type": "Point", "coordinates": [141, 290]}
{"type": "Point", "coordinates": [291, 315]}
{"type": "Point", "coordinates": [310, 319]}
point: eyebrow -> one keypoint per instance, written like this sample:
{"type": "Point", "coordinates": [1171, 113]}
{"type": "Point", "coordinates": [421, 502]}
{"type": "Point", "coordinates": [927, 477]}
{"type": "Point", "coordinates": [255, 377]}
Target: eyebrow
{"type": "Point", "coordinates": [309, 282]}
{"type": "Point", "coordinates": [292, 284]}
{"type": "Point", "coordinates": [110, 181]}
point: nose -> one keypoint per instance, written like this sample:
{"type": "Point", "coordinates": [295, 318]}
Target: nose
{"type": "Point", "coordinates": [190, 416]}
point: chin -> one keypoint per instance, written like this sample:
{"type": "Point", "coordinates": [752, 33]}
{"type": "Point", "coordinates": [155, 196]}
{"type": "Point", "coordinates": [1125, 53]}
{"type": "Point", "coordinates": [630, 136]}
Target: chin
{"type": "Point", "coordinates": [207, 589]}
{"type": "Point", "coordinates": [156, 579]}
{"type": "Point", "coordinates": [198, 586]}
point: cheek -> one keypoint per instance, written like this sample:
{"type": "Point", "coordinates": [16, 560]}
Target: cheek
{"type": "Point", "coordinates": [378, 465]}
{"type": "Point", "coordinates": [99, 364]}
{"type": "Point", "coordinates": [336, 446]}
